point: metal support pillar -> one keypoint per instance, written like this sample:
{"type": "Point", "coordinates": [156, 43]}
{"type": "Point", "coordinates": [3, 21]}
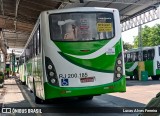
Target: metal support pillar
{"type": "Point", "coordinates": [140, 42]}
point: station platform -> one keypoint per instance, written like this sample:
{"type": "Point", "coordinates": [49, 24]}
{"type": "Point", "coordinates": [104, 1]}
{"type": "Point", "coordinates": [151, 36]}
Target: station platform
{"type": "Point", "coordinates": [12, 96]}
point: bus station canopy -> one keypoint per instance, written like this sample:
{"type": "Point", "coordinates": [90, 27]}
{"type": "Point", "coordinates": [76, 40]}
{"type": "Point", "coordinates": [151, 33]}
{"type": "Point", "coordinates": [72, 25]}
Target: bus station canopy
{"type": "Point", "coordinates": [17, 17]}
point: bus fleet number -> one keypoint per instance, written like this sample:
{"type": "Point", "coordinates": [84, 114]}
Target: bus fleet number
{"type": "Point", "coordinates": [75, 75]}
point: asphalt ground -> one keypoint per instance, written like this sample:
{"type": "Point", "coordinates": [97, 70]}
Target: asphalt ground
{"type": "Point", "coordinates": [14, 95]}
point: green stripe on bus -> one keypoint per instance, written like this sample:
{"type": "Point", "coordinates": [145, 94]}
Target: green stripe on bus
{"type": "Point", "coordinates": [56, 92]}
{"type": "Point", "coordinates": [75, 48]}
{"type": "Point", "coordinates": [103, 63]}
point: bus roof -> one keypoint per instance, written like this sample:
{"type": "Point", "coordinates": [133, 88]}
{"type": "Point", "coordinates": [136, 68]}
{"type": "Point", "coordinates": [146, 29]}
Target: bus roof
{"type": "Point", "coordinates": [138, 49]}
{"type": "Point", "coordinates": [81, 9]}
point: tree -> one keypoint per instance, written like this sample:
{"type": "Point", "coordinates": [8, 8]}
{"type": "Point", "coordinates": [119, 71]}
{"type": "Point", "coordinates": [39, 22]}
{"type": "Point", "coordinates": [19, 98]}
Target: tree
{"type": "Point", "coordinates": [127, 46]}
{"type": "Point", "coordinates": [150, 36]}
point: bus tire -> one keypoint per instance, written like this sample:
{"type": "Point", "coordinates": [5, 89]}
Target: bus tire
{"type": "Point", "coordinates": [131, 77]}
{"type": "Point", "coordinates": [38, 100]}
{"type": "Point", "coordinates": [155, 77]}
{"type": "Point", "coordinates": [30, 91]}
{"type": "Point", "coordinates": [23, 83]}
{"type": "Point", "coordinates": [83, 98]}
{"type": "Point", "coordinates": [135, 73]}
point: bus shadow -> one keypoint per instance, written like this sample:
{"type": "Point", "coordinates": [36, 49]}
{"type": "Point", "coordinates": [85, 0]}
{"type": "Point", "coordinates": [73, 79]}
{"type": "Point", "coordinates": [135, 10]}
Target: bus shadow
{"type": "Point", "coordinates": [141, 83]}
{"type": "Point", "coordinates": [98, 101]}
{"type": "Point", "coordinates": [100, 105]}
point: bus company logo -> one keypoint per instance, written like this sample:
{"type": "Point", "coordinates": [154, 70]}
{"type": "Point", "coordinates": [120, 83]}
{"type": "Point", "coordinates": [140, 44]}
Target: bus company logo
{"type": "Point", "coordinates": [6, 110]}
{"type": "Point", "coordinates": [110, 51]}
{"type": "Point", "coordinates": [64, 82]}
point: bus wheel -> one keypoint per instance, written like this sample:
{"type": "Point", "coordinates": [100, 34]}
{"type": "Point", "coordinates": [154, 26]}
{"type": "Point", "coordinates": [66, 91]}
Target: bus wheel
{"type": "Point", "coordinates": [83, 98]}
{"type": "Point", "coordinates": [38, 100]}
{"type": "Point", "coordinates": [23, 83]}
{"type": "Point", "coordinates": [155, 77]}
{"type": "Point", "coordinates": [135, 73]}
{"type": "Point", "coordinates": [131, 77]}
{"type": "Point", "coordinates": [30, 91]}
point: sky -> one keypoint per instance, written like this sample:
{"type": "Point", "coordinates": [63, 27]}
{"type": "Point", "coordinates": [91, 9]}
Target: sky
{"type": "Point", "coordinates": [128, 36]}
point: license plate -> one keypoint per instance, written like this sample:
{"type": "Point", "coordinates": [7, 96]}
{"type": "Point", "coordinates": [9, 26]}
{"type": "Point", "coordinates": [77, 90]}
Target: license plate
{"type": "Point", "coordinates": [87, 79]}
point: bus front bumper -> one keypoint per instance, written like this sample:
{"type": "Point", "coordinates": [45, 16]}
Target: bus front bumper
{"type": "Point", "coordinates": [57, 92]}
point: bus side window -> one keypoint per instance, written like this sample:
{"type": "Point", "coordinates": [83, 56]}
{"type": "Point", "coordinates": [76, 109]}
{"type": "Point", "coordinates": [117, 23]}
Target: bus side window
{"type": "Point", "coordinates": [136, 55]}
{"type": "Point", "coordinates": [132, 57]}
{"type": "Point", "coordinates": [125, 57]}
{"type": "Point", "coordinates": [38, 42]}
{"type": "Point", "coordinates": [159, 51]}
{"type": "Point", "coordinates": [32, 51]}
{"type": "Point", "coordinates": [151, 54]}
{"type": "Point", "coordinates": [29, 50]}
{"type": "Point", "coordinates": [128, 57]}
{"type": "Point", "coordinates": [35, 45]}
{"type": "Point", "coordinates": [26, 55]}
{"type": "Point", "coordinates": [145, 55]}
{"type": "Point", "coordinates": [39, 39]}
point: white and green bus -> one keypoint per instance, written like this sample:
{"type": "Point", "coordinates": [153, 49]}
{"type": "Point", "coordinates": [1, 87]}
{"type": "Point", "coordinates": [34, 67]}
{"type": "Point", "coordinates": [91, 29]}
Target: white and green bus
{"type": "Point", "coordinates": [151, 58]}
{"type": "Point", "coordinates": [74, 52]}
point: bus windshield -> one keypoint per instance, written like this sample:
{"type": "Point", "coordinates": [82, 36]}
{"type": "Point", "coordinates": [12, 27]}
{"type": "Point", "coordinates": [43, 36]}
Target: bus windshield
{"type": "Point", "coordinates": [81, 26]}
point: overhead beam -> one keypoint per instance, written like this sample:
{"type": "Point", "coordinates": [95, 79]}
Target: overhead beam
{"type": "Point", "coordinates": [28, 12]}
{"type": "Point", "coordinates": [9, 6]}
{"type": "Point", "coordinates": [29, 7]}
{"type": "Point", "coordinates": [34, 6]}
{"type": "Point", "coordinates": [133, 9]}
{"type": "Point", "coordinates": [16, 12]}
{"type": "Point", "coordinates": [129, 2]}
{"type": "Point", "coordinates": [140, 19]}
{"type": "Point", "coordinates": [45, 3]}
{"type": "Point", "coordinates": [62, 5]}
{"type": "Point", "coordinates": [18, 46]}
{"type": "Point", "coordinates": [2, 9]}
{"type": "Point", "coordinates": [5, 31]}
{"type": "Point", "coordinates": [16, 40]}
{"type": "Point", "coordinates": [13, 39]}
{"type": "Point", "coordinates": [9, 24]}
{"type": "Point", "coordinates": [3, 45]}
{"type": "Point", "coordinates": [26, 18]}
{"type": "Point", "coordinates": [9, 13]}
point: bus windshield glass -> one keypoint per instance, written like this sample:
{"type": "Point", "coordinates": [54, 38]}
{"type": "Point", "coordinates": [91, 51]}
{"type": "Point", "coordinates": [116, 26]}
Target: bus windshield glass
{"type": "Point", "coordinates": [81, 26]}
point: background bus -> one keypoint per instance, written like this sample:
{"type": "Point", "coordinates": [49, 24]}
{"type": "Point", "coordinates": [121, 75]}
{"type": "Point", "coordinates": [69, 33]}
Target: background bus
{"type": "Point", "coordinates": [7, 70]}
{"type": "Point", "coordinates": [151, 58]}
{"type": "Point", "coordinates": [22, 69]}
{"type": "Point", "coordinates": [74, 52]}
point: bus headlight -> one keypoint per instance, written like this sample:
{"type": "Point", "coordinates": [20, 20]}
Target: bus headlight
{"type": "Point", "coordinates": [50, 67]}
{"type": "Point", "coordinates": [51, 74]}
{"type": "Point", "coordinates": [119, 62]}
{"type": "Point", "coordinates": [119, 68]}
{"type": "Point", "coordinates": [53, 80]}
{"type": "Point", "coordinates": [118, 75]}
